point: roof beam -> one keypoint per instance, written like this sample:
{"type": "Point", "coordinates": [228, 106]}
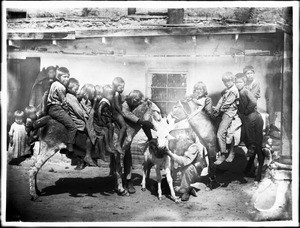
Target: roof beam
{"type": "Point", "coordinates": [146, 31]}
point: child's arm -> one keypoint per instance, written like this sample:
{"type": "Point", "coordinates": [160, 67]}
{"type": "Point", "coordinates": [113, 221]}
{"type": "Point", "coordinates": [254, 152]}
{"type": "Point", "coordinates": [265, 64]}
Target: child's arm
{"type": "Point", "coordinates": [117, 105]}
{"type": "Point", "coordinates": [208, 107]}
{"type": "Point", "coordinates": [256, 89]}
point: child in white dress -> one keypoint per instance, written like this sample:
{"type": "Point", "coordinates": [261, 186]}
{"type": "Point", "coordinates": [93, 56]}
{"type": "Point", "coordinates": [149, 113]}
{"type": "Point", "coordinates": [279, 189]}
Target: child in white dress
{"type": "Point", "coordinates": [18, 145]}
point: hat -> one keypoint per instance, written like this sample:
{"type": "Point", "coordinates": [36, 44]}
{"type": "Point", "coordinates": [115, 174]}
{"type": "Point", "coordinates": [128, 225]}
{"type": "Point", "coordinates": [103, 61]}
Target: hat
{"type": "Point", "coordinates": [247, 68]}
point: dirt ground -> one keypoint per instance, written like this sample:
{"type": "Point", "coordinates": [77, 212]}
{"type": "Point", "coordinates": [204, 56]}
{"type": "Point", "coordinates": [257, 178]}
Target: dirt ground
{"type": "Point", "coordinates": [87, 196]}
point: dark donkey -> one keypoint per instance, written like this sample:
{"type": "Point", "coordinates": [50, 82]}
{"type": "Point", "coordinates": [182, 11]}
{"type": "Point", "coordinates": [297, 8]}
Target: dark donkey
{"type": "Point", "coordinates": [206, 131]}
{"type": "Point", "coordinates": [53, 138]}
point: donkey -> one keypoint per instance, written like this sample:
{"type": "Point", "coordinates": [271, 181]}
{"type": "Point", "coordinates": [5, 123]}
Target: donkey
{"type": "Point", "coordinates": [53, 138]}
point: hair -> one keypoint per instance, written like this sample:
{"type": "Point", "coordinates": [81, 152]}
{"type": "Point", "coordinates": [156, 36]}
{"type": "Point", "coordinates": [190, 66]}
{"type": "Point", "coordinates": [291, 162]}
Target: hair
{"type": "Point", "coordinates": [99, 89]}
{"type": "Point", "coordinates": [87, 91]}
{"type": "Point", "coordinates": [51, 68]}
{"type": "Point", "coordinates": [228, 76]}
{"type": "Point", "coordinates": [200, 85]}
{"type": "Point", "coordinates": [62, 71]}
{"type": "Point", "coordinates": [247, 68]}
{"type": "Point", "coordinates": [72, 82]}
{"type": "Point", "coordinates": [117, 81]}
{"type": "Point", "coordinates": [30, 110]}
{"type": "Point", "coordinates": [18, 113]}
{"type": "Point", "coordinates": [107, 90]}
{"type": "Point", "coordinates": [136, 94]}
{"type": "Point", "coordinates": [240, 76]}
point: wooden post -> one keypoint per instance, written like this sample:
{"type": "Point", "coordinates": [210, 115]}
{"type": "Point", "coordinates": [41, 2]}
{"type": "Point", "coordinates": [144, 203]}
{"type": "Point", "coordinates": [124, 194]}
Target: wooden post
{"type": "Point", "coordinates": [175, 16]}
{"type": "Point", "coordinates": [287, 96]}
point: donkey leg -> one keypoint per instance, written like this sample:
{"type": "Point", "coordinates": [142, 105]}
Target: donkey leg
{"type": "Point", "coordinates": [170, 182]}
{"type": "Point", "coordinates": [118, 175]}
{"type": "Point", "coordinates": [158, 178]}
{"type": "Point", "coordinates": [143, 184]}
{"type": "Point", "coordinates": [44, 155]}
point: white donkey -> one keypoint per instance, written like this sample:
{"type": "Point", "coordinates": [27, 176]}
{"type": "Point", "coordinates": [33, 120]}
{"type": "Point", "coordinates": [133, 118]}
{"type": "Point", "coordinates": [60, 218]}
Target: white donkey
{"type": "Point", "coordinates": [155, 154]}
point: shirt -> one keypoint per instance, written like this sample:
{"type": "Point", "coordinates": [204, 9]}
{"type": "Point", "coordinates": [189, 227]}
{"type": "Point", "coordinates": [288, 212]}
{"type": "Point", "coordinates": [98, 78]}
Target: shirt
{"type": "Point", "coordinates": [128, 112]}
{"type": "Point", "coordinates": [247, 102]}
{"type": "Point", "coordinates": [57, 94]}
{"type": "Point", "coordinates": [228, 102]}
{"type": "Point", "coordinates": [76, 111]}
{"type": "Point", "coordinates": [192, 156]}
{"type": "Point", "coordinates": [254, 87]}
{"type": "Point", "coordinates": [204, 103]}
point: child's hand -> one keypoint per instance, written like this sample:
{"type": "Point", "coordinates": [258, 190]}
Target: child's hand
{"type": "Point", "coordinates": [123, 114]}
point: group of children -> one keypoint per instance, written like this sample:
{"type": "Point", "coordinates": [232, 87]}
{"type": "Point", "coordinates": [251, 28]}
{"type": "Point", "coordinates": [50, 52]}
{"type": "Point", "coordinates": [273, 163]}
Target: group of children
{"type": "Point", "coordinates": [238, 100]}
{"type": "Point", "coordinates": [75, 110]}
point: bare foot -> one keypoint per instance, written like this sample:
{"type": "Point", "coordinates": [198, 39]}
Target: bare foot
{"type": "Point", "coordinates": [89, 160]}
{"type": "Point", "coordinates": [230, 157]}
{"type": "Point", "coordinates": [109, 149]}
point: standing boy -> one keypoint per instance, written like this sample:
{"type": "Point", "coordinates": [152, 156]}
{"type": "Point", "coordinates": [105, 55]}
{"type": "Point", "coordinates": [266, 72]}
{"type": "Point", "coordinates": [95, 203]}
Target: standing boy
{"type": "Point", "coordinates": [118, 88]}
{"type": "Point", "coordinates": [251, 83]}
{"type": "Point", "coordinates": [55, 102]}
{"type": "Point", "coordinates": [251, 119]}
{"type": "Point", "coordinates": [227, 105]}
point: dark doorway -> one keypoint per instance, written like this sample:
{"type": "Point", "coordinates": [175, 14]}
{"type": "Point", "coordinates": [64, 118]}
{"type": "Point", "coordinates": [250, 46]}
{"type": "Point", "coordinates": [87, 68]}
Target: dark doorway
{"type": "Point", "coordinates": [21, 74]}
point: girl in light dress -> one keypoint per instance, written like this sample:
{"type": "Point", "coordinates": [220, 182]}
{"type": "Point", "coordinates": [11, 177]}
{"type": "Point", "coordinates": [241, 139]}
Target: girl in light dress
{"type": "Point", "coordinates": [18, 144]}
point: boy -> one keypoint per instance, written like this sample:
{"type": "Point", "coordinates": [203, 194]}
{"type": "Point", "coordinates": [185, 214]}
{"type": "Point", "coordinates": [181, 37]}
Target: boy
{"type": "Point", "coordinates": [103, 118]}
{"type": "Point", "coordinates": [55, 102]}
{"type": "Point", "coordinates": [251, 119]}
{"type": "Point", "coordinates": [118, 88]}
{"type": "Point", "coordinates": [133, 100]}
{"type": "Point", "coordinates": [189, 156]}
{"type": "Point", "coordinates": [228, 106]}
{"type": "Point", "coordinates": [79, 116]}
{"type": "Point", "coordinates": [251, 84]}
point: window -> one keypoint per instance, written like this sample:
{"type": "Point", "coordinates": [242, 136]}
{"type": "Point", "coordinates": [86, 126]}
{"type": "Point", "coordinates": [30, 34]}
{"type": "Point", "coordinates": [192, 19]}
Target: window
{"type": "Point", "coordinates": [167, 89]}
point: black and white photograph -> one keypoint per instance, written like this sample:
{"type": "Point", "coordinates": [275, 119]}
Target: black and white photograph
{"type": "Point", "coordinates": [149, 113]}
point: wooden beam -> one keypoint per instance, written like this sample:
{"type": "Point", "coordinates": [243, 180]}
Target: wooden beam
{"type": "Point", "coordinates": [70, 35]}
{"type": "Point", "coordinates": [176, 31]}
{"type": "Point", "coordinates": [287, 97]}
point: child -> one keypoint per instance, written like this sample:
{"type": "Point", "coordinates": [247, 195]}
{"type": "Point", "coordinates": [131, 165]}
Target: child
{"type": "Point", "coordinates": [227, 105]}
{"type": "Point", "coordinates": [55, 102]}
{"type": "Point", "coordinates": [31, 117]}
{"type": "Point", "coordinates": [200, 99]}
{"type": "Point", "coordinates": [17, 137]}
{"type": "Point", "coordinates": [251, 119]}
{"type": "Point", "coordinates": [103, 118]}
{"type": "Point", "coordinates": [251, 84]}
{"type": "Point", "coordinates": [80, 118]}
{"type": "Point", "coordinates": [118, 88]}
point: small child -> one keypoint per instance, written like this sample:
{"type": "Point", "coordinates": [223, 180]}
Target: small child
{"type": "Point", "coordinates": [18, 145]}
{"type": "Point", "coordinates": [104, 117]}
{"type": "Point", "coordinates": [227, 105]}
{"type": "Point", "coordinates": [251, 83]}
{"type": "Point", "coordinates": [118, 88]}
{"type": "Point", "coordinates": [55, 102]}
{"type": "Point", "coordinates": [251, 119]}
{"type": "Point", "coordinates": [31, 117]}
